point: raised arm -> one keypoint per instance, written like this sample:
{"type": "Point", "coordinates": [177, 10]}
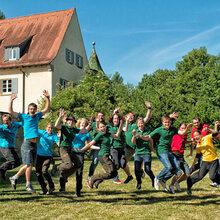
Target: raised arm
{"type": "Point", "coordinates": [185, 131]}
{"type": "Point", "coordinates": [133, 139]}
{"type": "Point", "coordinates": [216, 125]}
{"type": "Point", "coordinates": [90, 123]}
{"type": "Point", "coordinates": [58, 124]}
{"type": "Point", "coordinates": [10, 109]}
{"type": "Point", "coordinates": [47, 106]}
{"type": "Point", "coordinates": [126, 123]}
{"type": "Point", "coordinates": [116, 110]}
{"type": "Point", "coordinates": [147, 118]}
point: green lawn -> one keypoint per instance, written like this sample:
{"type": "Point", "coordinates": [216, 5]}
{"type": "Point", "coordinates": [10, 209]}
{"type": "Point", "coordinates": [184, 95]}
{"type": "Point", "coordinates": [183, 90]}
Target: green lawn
{"type": "Point", "coordinates": [110, 201]}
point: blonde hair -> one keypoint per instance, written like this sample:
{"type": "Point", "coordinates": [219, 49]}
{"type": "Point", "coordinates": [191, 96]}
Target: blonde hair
{"type": "Point", "coordinates": [139, 119]}
{"type": "Point", "coordinates": [80, 120]}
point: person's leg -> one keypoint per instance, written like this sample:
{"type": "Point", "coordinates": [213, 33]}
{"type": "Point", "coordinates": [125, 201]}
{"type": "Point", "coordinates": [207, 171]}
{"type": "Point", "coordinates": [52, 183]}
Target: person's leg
{"type": "Point", "coordinates": [114, 152]}
{"type": "Point", "coordinates": [196, 177]}
{"type": "Point", "coordinates": [94, 163]}
{"type": "Point", "coordinates": [129, 152]}
{"type": "Point", "coordinates": [12, 160]}
{"type": "Point", "coordinates": [79, 175]}
{"type": "Point", "coordinates": [147, 167]}
{"type": "Point", "coordinates": [213, 171]}
{"type": "Point", "coordinates": [45, 167]}
{"type": "Point", "coordinates": [137, 169]}
{"type": "Point", "coordinates": [39, 163]}
{"type": "Point", "coordinates": [110, 171]}
{"type": "Point", "coordinates": [165, 172]}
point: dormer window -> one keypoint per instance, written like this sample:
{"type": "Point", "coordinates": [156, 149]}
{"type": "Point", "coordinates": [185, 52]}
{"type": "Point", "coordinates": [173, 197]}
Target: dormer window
{"type": "Point", "coordinates": [12, 53]}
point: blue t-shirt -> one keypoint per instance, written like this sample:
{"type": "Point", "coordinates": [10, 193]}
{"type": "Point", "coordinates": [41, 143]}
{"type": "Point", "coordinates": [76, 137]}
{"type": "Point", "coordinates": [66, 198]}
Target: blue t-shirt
{"type": "Point", "coordinates": [8, 135]}
{"type": "Point", "coordinates": [46, 143]}
{"type": "Point", "coordinates": [30, 124]}
{"type": "Point", "coordinates": [80, 139]}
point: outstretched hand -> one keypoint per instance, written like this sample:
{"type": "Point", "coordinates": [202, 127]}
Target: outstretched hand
{"type": "Point", "coordinates": [116, 109]}
{"type": "Point", "coordinates": [90, 120]}
{"type": "Point", "coordinates": [62, 112]}
{"type": "Point", "coordinates": [134, 132]}
{"type": "Point", "coordinates": [189, 125]}
{"type": "Point", "coordinates": [148, 104]}
{"type": "Point", "coordinates": [13, 96]}
{"type": "Point", "coordinates": [217, 123]}
{"type": "Point", "coordinates": [174, 115]}
{"type": "Point", "coordinates": [46, 93]}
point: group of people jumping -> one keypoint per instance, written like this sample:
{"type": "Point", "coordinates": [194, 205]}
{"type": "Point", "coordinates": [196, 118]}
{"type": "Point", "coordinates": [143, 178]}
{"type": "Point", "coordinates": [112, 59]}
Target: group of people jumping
{"type": "Point", "coordinates": [112, 144]}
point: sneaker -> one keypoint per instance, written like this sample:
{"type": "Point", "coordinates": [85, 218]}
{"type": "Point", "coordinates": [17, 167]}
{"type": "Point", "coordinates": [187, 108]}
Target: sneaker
{"type": "Point", "coordinates": [3, 174]}
{"type": "Point", "coordinates": [189, 192]}
{"type": "Point", "coordinates": [30, 189]}
{"type": "Point", "coordinates": [62, 190]}
{"type": "Point", "coordinates": [129, 178]}
{"type": "Point", "coordinates": [117, 181]}
{"type": "Point", "coordinates": [54, 170]}
{"type": "Point", "coordinates": [176, 184]}
{"type": "Point", "coordinates": [156, 183]}
{"type": "Point", "coordinates": [214, 184]}
{"type": "Point", "coordinates": [138, 186]}
{"type": "Point", "coordinates": [44, 191]}
{"type": "Point", "coordinates": [142, 173]}
{"type": "Point", "coordinates": [163, 184]}
{"type": "Point", "coordinates": [13, 182]}
{"type": "Point", "coordinates": [50, 191]}
{"type": "Point", "coordinates": [171, 189]}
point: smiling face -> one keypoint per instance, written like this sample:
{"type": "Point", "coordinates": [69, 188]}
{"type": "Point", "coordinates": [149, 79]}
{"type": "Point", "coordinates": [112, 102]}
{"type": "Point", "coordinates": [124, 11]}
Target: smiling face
{"type": "Point", "coordinates": [102, 128]}
{"type": "Point", "coordinates": [115, 120]}
{"type": "Point", "coordinates": [166, 123]}
{"type": "Point", "coordinates": [70, 123]}
{"type": "Point", "coordinates": [49, 128]}
{"type": "Point", "coordinates": [182, 127]}
{"type": "Point", "coordinates": [140, 124]}
{"type": "Point", "coordinates": [7, 122]}
{"type": "Point", "coordinates": [32, 110]}
{"type": "Point", "coordinates": [197, 136]}
{"type": "Point", "coordinates": [196, 123]}
{"type": "Point", "coordinates": [83, 124]}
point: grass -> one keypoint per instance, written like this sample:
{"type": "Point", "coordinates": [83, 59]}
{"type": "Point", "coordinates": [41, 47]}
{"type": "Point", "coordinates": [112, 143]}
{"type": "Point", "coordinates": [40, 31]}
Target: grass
{"type": "Point", "coordinates": [110, 201]}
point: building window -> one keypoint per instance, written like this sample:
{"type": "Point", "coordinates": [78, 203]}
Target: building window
{"type": "Point", "coordinates": [79, 61]}
{"type": "Point", "coordinates": [63, 83]}
{"type": "Point", "coordinates": [12, 53]}
{"type": "Point", "coordinates": [7, 86]}
{"type": "Point", "coordinates": [69, 56]}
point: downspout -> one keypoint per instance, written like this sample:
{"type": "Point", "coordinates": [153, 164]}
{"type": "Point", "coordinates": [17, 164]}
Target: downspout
{"type": "Point", "coordinates": [23, 90]}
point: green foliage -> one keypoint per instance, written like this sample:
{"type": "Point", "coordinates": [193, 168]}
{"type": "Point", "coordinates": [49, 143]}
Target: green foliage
{"type": "Point", "coordinates": [192, 89]}
{"type": "Point", "coordinates": [2, 16]}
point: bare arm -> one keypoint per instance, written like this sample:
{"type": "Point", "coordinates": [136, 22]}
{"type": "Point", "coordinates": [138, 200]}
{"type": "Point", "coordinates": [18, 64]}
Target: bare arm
{"type": "Point", "coordinates": [151, 142]}
{"type": "Point", "coordinates": [116, 110]}
{"type": "Point", "coordinates": [10, 109]}
{"type": "Point", "coordinates": [185, 131]}
{"type": "Point", "coordinates": [126, 123]}
{"type": "Point", "coordinates": [86, 146]}
{"type": "Point", "coordinates": [133, 139]}
{"type": "Point", "coordinates": [216, 125]}
{"type": "Point", "coordinates": [57, 123]}
{"type": "Point", "coordinates": [47, 106]}
{"type": "Point", "coordinates": [147, 118]}
{"type": "Point", "coordinates": [210, 130]}
{"type": "Point", "coordinates": [90, 123]}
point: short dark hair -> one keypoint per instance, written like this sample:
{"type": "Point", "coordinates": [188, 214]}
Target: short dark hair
{"type": "Point", "coordinates": [196, 118]}
{"type": "Point", "coordinates": [165, 117]}
{"type": "Point", "coordinates": [6, 116]}
{"type": "Point", "coordinates": [32, 104]}
{"type": "Point", "coordinates": [198, 131]}
{"type": "Point", "coordinates": [110, 118]}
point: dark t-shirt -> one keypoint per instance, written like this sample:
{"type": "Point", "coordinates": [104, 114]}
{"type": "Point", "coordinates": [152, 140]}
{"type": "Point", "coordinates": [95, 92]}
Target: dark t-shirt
{"type": "Point", "coordinates": [67, 135]}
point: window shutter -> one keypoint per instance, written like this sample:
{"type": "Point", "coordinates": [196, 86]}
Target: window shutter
{"type": "Point", "coordinates": [6, 54]}
{"type": "Point", "coordinates": [77, 60]}
{"type": "Point", "coordinates": [1, 91]}
{"type": "Point", "coordinates": [17, 53]}
{"type": "Point", "coordinates": [81, 62]}
{"type": "Point", "coordinates": [14, 85]}
{"type": "Point", "coordinates": [72, 57]}
{"type": "Point", "coordinates": [67, 55]}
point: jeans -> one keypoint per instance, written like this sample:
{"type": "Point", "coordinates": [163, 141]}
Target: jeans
{"type": "Point", "coordinates": [138, 159]}
{"type": "Point", "coordinates": [28, 152]}
{"type": "Point", "coordinates": [170, 166]}
{"type": "Point", "coordinates": [94, 163]}
{"type": "Point", "coordinates": [12, 159]}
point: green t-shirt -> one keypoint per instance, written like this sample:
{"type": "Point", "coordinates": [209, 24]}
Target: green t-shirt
{"type": "Point", "coordinates": [93, 129]}
{"type": "Point", "coordinates": [67, 135]}
{"type": "Point", "coordinates": [103, 140]}
{"type": "Point", "coordinates": [116, 142]}
{"type": "Point", "coordinates": [142, 147]}
{"type": "Point", "coordinates": [163, 138]}
{"type": "Point", "coordinates": [128, 134]}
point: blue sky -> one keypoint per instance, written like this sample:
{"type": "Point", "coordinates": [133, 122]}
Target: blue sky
{"type": "Point", "coordinates": [136, 37]}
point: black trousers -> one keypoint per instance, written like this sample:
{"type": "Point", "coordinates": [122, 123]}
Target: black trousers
{"type": "Point", "coordinates": [12, 159]}
{"type": "Point", "coordinates": [70, 162]}
{"type": "Point", "coordinates": [79, 173]}
{"type": "Point", "coordinates": [118, 157]}
{"type": "Point", "coordinates": [42, 166]}
{"type": "Point", "coordinates": [108, 166]}
{"type": "Point", "coordinates": [206, 167]}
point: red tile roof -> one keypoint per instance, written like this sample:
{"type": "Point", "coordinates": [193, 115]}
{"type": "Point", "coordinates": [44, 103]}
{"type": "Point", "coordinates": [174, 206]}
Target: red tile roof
{"type": "Point", "coordinates": [47, 31]}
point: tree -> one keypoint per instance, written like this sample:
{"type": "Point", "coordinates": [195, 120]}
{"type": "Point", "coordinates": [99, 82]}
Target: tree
{"type": "Point", "coordinates": [2, 16]}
